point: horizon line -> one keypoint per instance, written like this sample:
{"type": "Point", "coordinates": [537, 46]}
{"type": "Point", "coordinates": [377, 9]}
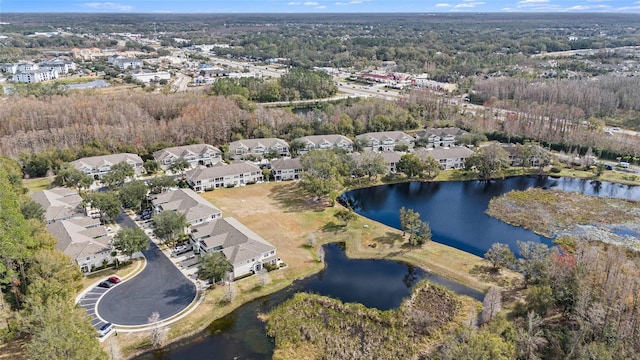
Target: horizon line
{"type": "Point", "coordinates": [161, 12]}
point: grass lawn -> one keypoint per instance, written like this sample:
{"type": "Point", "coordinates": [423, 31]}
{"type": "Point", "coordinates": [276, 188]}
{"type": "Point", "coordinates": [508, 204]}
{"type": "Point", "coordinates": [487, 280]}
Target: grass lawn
{"type": "Point", "coordinates": [37, 184]}
{"type": "Point", "coordinates": [283, 215]}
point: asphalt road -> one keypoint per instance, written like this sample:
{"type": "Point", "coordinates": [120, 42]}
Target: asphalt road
{"type": "Point", "coordinates": [159, 287]}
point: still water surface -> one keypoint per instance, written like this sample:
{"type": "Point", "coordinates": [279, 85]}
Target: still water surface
{"type": "Point", "coordinates": [455, 211]}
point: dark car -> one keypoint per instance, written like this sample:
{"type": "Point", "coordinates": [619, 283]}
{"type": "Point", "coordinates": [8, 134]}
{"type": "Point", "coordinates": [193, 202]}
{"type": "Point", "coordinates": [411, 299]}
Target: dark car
{"type": "Point", "coordinates": [106, 284]}
{"type": "Point", "coordinates": [113, 279]}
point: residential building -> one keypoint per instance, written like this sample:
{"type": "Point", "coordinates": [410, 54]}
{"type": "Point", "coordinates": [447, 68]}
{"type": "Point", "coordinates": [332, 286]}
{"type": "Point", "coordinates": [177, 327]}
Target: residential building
{"type": "Point", "coordinates": [390, 158]}
{"type": "Point", "coordinates": [100, 165]}
{"type": "Point", "coordinates": [185, 201]}
{"type": "Point", "coordinates": [35, 76]}
{"type": "Point", "coordinates": [60, 65]}
{"type": "Point", "coordinates": [24, 67]}
{"type": "Point", "coordinates": [10, 68]}
{"type": "Point", "coordinates": [237, 174]}
{"type": "Point", "coordinates": [440, 137]}
{"type": "Point", "coordinates": [385, 140]}
{"type": "Point", "coordinates": [124, 63]}
{"type": "Point", "coordinates": [245, 250]}
{"type": "Point", "coordinates": [58, 203]}
{"type": "Point", "coordinates": [323, 142]}
{"type": "Point", "coordinates": [195, 154]}
{"type": "Point", "coordinates": [286, 169]}
{"type": "Point", "coordinates": [258, 147]}
{"type": "Point", "coordinates": [449, 158]}
{"type": "Point", "coordinates": [517, 152]}
{"type": "Point", "coordinates": [84, 240]}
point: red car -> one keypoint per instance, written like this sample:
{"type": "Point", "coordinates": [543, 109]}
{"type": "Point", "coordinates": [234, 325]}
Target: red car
{"type": "Point", "coordinates": [113, 279]}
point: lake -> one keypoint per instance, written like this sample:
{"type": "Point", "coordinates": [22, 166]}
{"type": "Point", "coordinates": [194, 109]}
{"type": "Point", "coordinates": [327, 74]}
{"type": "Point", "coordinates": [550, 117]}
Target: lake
{"type": "Point", "coordinates": [456, 210]}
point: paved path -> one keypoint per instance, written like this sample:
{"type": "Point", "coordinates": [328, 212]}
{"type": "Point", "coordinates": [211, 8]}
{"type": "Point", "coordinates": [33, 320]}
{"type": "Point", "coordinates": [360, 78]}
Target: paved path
{"type": "Point", "coordinates": [159, 287]}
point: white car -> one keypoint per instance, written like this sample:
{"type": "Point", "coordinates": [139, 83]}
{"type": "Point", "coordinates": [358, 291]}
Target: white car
{"type": "Point", "coordinates": [105, 329]}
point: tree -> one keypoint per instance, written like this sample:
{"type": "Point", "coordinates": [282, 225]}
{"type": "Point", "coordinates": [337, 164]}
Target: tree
{"type": "Point", "coordinates": [168, 225]}
{"type": "Point", "coordinates": [530, 338]}
{"type": "Point", "coordinates": [32, 210]}
{"type": "Point", "coordinates": [489, 161]}
{"type": "Point", "coordinates": [418, 230]}
{"type": "Point", "coordinates": [492, 304]}
{"type": "Point", "coordinates": [499, 255]}
{"type": "Point", "coordinates": [322, 172]}
{"type": "Point", "coordinates": [69, 176]}
{"type": "Point", "coordinates": [372, 164]}
{"type": "Point", "coordinates": [158, 334]}
{"type": "Point", "coordinates": [534, 261]}
{"type": "Point", "coordinates": [213, 266]}
{"type": "Point", "coordinates": [431, 167]}
{"type": "Point", "coordinates": [401, 147]}
{"type": "Point", "coordinates": [160, 184]}
{"type": "Point", "coordinates": [295, 146]}
{"type": "Point", "coordinates": [130, 240]}
{"type": "Point", "coordinates": [60, 330]}
{"type": "Point", "coordinates": [345, 215]}
{"type": "Point", "coordinates": [151, 166]}
{"type": "Point", "coordinates": [479, 345]}
{"type": "Point", "coordinates": [410, 165]}
{"type": "Point", "coordinates": [178, 166]}
{"type": "Point", "coordinates": [118, 175]}
{"type": "Point", "coordinates": [133, 194]}
{"type": "Point", "coordinates": [107, 202]}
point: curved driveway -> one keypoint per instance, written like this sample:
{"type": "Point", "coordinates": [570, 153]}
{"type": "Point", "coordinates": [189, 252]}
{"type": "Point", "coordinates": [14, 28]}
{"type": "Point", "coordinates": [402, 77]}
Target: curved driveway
{"type": "Point", "coordinates": [159, 287]}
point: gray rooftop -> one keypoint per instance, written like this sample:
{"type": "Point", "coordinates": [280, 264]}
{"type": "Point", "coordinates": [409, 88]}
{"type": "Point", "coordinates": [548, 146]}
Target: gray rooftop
{"type": "Point", "coordinates": [182, 151]}
{"type": "Point", "coordinates": [187, 202]}
{"type": "Point", "coordinates": [58, 203]}
{"type": "Point", "coordinates": [284, 164]}
{"type": "Point", "coordinates": [238, 242]}
{"type": "Point", "coordinates": [206, 173]}
{"type": "Point", "coordinates": [444, 153]}
{"type": "Point", "coordinates": [95, 162]}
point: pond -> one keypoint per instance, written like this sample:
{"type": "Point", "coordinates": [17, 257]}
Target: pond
{"type": "Point", "coordinates": [456, 210]}
{"type": "Point", "coordinates": [381, 284]}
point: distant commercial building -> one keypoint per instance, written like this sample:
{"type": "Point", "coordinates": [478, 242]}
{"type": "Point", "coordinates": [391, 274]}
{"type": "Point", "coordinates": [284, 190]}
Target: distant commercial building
{"type": "Point", "coordinates": [60, 65]}
{"type": "Point", "coordinates": [147, 77]}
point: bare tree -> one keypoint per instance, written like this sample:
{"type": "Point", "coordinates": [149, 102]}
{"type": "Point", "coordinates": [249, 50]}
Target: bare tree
{"type": "Point", "coordinates": [311, 239]}
{"type": "Point", "coordinates": [321, 254]}
{"type": "Point", "coordinates": [230, 292]}
{"type": "Point", "coordinates": [264, 279]}
{"type": "Point", "coordinates": [158, 334]}
{"type": "Point", "coordinates": [491, 305]}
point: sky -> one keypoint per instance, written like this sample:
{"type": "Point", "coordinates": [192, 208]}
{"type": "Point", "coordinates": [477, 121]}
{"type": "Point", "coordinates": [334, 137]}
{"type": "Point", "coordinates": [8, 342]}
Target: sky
{"type": "Point", "coordinates": [318, 6]}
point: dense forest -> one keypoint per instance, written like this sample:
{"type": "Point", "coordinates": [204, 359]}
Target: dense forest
{"type": "Point", "coordinates": [47, 131]}
{"type": "Point", "coordinates": [38, 283]}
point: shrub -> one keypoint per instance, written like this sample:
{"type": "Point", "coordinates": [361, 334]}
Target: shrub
{"type": "Point", "coordinates": [555, 170]}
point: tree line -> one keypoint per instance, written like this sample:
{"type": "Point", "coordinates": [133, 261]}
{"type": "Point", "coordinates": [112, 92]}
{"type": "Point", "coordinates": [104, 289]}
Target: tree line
{"type": "Point", "coordinates": [296, 84]}
{"type": "Point", "coordinates": [38, 282]}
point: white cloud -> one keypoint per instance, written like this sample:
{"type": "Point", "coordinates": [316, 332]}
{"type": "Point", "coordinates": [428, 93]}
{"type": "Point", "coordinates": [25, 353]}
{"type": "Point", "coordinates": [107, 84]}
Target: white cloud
{"type": "Point", "coordinates": [468, 4]}
{"type": "Point", "coordinates": [294, 3]}
{"type": "Point", "coordinates": [108, 6]}
{"type": "Point", "coordinates": [310, 3]}
{"type": "Point", "coordinates": [532, 2]}
{"type": "Point", "coordinates": [589, 8]}
{"type": "Point", "coordinates": [320, 7]}
{"type": "Point", "coordinates": [443, 5]}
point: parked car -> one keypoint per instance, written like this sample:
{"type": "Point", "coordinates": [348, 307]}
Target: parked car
{"type": "Point", "coordinates": [114, 279]}
{"type": "Point", "coordinates": [105, 329]}
{"type": "Point", "coordinates": [106, 284]}
{"type": "Point", "coordinates": [180, 250]}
